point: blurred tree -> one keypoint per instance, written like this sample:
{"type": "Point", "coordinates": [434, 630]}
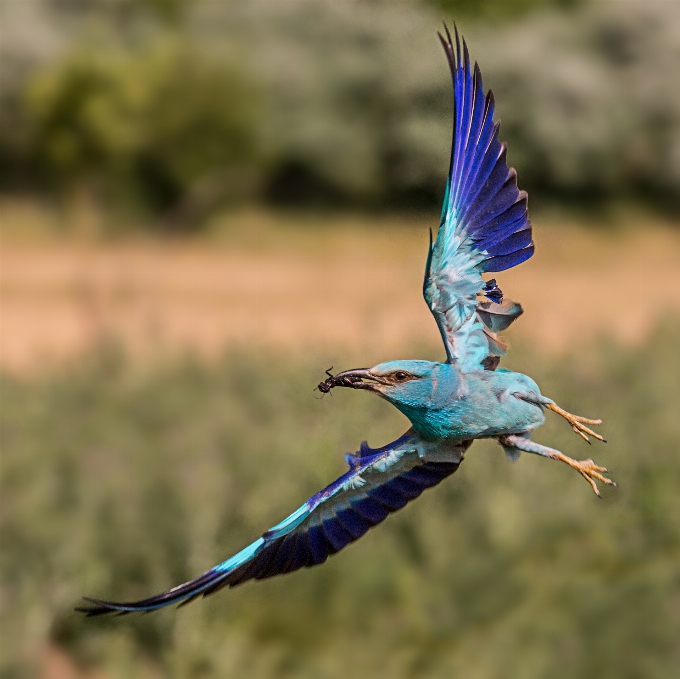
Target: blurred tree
{"type": "Point", "coordinates": [351, 99]}
{"type": "Point", "coordinates": [585, 103]}
{"type": "Point", "coordinates": [152, 126]}
{"type": "Point", "coordinates": [500, 9]}
{"type": "Point", "coordinates": [123, 12]}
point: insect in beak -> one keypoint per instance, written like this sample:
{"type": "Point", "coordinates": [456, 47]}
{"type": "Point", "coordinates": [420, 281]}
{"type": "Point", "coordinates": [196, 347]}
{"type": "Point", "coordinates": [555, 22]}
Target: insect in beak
{"type": "Point", "coordinates": [360, 378]}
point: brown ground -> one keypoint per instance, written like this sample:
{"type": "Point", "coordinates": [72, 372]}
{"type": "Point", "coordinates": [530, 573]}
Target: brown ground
{"type": "Point", "coordinates": [257, 279]}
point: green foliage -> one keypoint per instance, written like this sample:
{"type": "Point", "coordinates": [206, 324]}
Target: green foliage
{"type": "Point", "coordinates": [500, 9]}
{"type": "Point", "coordinates": [117, 484]}
{"type": "Point", "coordinates": [582, 96]}
{"type": "Point", "coordinates": [584, 102]}
{"type": "Point", "coordinates": [150, 123]}
{"type": "Point", "coordinates": [352, 100]}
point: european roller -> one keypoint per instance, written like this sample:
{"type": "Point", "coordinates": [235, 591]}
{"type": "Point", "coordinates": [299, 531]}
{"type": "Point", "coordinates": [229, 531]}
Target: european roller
{"type": "Point", "coordinates": [483, 229]}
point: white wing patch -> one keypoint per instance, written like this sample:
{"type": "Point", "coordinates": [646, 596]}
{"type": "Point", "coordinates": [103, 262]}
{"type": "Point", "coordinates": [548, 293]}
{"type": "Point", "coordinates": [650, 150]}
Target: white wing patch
{"type": "Point", "coordinates": [353, 483]}
{"type": "Point", "coordinates": [452, 297]}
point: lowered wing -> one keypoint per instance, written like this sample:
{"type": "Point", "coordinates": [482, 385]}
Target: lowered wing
{"type": "Point", "coordinates": [483, 228]}
{"type": "Point", "coordinates": [379, 481]}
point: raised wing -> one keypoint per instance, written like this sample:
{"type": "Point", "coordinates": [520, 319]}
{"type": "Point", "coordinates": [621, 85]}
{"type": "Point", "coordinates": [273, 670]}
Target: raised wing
{"type": "Point", "coordinates": [484, 225]}
{"type": "Point", "coordinates": [379, 481]}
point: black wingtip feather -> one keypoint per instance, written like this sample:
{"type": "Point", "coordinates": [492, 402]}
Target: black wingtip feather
{"type": "Point", "coordinates": [455, 30]}
{"type": "Point", "coordinates": [448, 49]}
{"type": "Point", "coordinates": [96, 608]}
{"type": "Point", "coordinates": [448, 33]}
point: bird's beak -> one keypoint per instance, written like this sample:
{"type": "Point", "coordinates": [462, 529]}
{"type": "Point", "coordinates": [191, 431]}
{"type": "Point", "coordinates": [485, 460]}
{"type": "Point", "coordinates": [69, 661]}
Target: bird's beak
{"type": "Point", "coordinates": [360, 378]}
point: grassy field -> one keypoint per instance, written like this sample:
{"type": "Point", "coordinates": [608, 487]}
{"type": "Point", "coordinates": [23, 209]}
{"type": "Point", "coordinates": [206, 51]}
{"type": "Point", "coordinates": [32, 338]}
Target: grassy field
{"type": "Point", "coordinates": [117, 483]}
{"type": "Point", "coordinates": [158, 414]}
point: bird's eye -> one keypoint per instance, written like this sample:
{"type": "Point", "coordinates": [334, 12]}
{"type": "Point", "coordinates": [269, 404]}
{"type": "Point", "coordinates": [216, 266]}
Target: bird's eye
{"type": "Point", "coordinates": [400, 376]}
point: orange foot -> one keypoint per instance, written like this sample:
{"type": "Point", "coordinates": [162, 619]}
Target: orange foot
{"type": "Point", "coordinates": [589, 471]}
{"type": "Point", "coordinates": [578, 424]}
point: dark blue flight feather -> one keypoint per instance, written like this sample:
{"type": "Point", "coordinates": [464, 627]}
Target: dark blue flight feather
{"type": "Point", "coordinates": [481, 187]}
{"type": "Point", "coordinates": [380, 481]}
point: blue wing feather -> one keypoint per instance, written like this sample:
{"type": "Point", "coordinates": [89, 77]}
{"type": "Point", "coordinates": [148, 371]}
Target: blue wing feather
{"type": "Point", "coordinates": [504, 262]}
{"type": "Point", "coordinates": [380, 481]}
{"type": "Point", "coordinates": [502, 225]}
{"type": "Point", "coordinates": [484, 224]}
{"type": "Point", "coordinates": [513, 243]}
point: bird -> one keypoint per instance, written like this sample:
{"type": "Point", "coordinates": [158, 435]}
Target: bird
{"type": "Point", "coordinates": [484, 228]}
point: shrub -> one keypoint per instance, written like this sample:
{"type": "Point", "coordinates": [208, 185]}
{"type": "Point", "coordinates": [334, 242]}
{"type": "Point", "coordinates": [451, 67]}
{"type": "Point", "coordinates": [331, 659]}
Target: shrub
{"type": "Point", "coordinates": [150, 125]}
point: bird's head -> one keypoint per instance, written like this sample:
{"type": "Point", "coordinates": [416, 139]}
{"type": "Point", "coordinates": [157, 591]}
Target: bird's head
{"type": "Point", "coordinates": [403, 383]}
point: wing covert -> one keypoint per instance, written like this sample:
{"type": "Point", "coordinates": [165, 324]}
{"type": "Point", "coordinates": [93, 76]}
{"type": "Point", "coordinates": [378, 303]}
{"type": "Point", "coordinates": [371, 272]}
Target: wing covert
{"type": "Point", "coordinates": [379, 481]}
{"type": "Point", "coordinates": [484, 225]}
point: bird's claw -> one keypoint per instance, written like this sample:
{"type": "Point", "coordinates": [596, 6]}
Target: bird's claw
{"type": "Point", "coordinates": [578, 423]}
{"type": "Point", "coordinates": [591, 472]}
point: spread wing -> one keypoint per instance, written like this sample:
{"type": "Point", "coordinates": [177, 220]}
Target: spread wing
{"type": "Point", "coordinates": [484, 225]}
{"type": "Point", "coordinates": [379, 481]}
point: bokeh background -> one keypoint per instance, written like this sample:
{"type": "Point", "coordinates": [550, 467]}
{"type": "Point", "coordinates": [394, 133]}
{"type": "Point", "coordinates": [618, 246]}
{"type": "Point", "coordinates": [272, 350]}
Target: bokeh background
{"type": "Point", "coordinates": [207, 203]}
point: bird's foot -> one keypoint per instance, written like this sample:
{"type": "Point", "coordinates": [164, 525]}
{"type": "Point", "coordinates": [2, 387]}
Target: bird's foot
{"type": "Point", "coordinates": [589, 471]}
{"type": "Point", "coordinates": [578, 424]}
{"type": "Point", "coordinates": [586, 468]}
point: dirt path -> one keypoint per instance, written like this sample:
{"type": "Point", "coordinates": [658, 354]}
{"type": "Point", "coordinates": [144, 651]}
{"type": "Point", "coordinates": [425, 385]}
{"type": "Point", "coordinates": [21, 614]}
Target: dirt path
{"type": "Point", "coordinates": [261, 282]}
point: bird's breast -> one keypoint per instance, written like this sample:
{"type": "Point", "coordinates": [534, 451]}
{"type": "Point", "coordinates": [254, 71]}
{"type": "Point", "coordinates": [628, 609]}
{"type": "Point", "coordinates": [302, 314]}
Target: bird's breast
{"type": "Point", "coordinates": [476, 405]}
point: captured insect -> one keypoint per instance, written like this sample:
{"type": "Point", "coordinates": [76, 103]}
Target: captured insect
{"type": "Point", "coordinates": [339, 381]}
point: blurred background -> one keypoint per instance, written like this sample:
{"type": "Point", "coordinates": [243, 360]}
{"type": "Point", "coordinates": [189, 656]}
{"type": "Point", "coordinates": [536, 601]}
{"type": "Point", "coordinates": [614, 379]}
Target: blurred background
{"type": "Point", "coordinates": [204, 204]}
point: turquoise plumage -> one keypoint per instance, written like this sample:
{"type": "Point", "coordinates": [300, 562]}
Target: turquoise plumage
{"type": "Point", "coordinates": [484, 228]}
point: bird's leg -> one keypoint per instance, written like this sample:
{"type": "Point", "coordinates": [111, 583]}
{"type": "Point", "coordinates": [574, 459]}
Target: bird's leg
{"type": "Point", "coordinates": [587, 468]}
{"type": "Point", "coordinates": [578, 423]}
